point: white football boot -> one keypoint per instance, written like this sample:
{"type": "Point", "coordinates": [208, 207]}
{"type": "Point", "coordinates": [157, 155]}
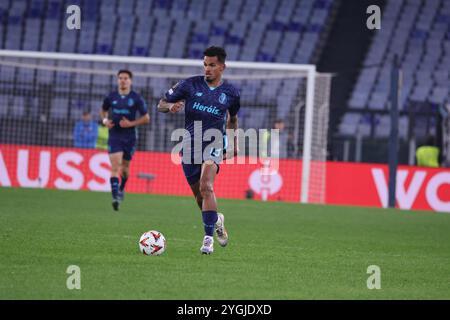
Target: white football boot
{"type": "Point", "coordinates": [221, 232]}
{"type": "Point", "coordinates": [208, 245]}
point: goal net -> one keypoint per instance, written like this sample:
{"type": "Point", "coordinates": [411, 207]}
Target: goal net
{"type": "Point", "coordinates": [51, 136]}
{"type": "Point", "coordinates": [445, 114]}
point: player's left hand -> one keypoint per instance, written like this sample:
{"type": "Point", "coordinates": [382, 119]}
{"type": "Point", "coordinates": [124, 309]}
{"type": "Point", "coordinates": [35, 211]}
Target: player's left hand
{"type": "Point", "coordinates": [125, 123]}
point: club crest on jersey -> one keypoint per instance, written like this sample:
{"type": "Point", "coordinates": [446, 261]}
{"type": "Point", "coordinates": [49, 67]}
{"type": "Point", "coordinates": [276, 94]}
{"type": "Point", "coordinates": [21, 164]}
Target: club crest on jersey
{"type": "Point", "coordinates": [223, 98]}
{"type": "Point", "coordinates": [130, 102]}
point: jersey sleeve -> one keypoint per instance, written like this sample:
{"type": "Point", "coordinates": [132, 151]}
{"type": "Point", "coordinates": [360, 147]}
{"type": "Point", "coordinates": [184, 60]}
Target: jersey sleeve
{"type": "Point", "coordinates": [142, 106]}
{"type": "Point", "coordinates": [236, 105]}
{"type": "Point", "coordinates": [106, 104]}
{"type": "Point", "coordinates": [180, 91]}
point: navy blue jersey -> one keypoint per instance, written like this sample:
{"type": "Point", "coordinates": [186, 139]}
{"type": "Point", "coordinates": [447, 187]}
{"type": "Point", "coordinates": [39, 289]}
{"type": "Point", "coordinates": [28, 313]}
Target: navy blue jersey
{"type": "Point", "coordinates": [205, 104]}
{"type": "Point", "coordinates": [124, 106]}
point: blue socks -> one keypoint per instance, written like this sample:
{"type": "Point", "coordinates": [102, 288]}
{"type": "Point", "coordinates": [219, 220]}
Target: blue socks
{"type": "Point", "coordinates": [114, 186]}
{"type": "Point", "coordinates": [209, 220]}
{"type": "Point", "coordinates": [123, 183]}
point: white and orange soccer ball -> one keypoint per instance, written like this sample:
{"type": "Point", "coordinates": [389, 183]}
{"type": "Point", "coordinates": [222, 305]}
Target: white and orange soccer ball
{"type": "Point", "coordinates": [152, 243]}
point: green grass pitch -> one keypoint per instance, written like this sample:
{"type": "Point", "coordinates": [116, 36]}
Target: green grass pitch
{"type": "Point", "coordinates": [276, 250]}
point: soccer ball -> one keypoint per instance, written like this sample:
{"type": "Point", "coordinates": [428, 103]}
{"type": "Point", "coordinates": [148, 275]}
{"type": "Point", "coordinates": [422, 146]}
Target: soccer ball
{"type": "Point", "coordinates": [152, 243]}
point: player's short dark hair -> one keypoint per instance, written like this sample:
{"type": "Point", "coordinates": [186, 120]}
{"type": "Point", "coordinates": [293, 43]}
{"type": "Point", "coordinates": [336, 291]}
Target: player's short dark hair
{"type": "Point", "coordinates": [128, 72]}
{"type": "Point", "coordinates": [218, 52]}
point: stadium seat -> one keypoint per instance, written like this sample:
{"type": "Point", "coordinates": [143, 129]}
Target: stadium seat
{"type": "Point", "coordinates": [18, 107]}
{"type": "Point", "coordinates": [59, 108]}
{"type": "Point", "coordinates": [439, 95]}
{"type": "Point", "coordinates": [416, 33]}
{"type": "Point", "coordinates": [4, 105]}
{"type": "Point", "coordinates": [349, 123]}
{"type": "Point", "coordinates": [77, 107]}
{"type": "Point", "coordinates": [50, 40]}
{"type": "Point", "coordinates": [25, 76]}
{"type": "Point", "coordinates": [196, 9]}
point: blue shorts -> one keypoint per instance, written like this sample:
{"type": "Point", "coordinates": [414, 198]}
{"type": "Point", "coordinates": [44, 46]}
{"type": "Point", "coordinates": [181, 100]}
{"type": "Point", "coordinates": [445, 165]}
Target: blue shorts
{"type": "Point", "coordinates": [127, 145]}
{"type": "Point", "coordinates": [192, 172]}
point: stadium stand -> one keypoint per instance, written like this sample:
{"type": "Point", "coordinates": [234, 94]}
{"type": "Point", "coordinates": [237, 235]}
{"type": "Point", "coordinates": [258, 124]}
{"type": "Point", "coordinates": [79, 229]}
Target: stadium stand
{"type": "Point", "coordinates": [285, 31]}
{"type": "Point", "coordinates": [282, 31]}
{"type": "Point", "coordinates": [418, 32]}
{"type": "Point", "coordinates": [250, 30]}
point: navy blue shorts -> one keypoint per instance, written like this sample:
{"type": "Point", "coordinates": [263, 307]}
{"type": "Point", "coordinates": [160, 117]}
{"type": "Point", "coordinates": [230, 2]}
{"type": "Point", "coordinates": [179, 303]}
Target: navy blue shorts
{"type": "Point", "coordinates": [192, 172]}
{"type": "Point", "coordinates": [127, 145]}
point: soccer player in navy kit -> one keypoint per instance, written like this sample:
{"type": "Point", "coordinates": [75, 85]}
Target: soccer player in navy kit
{"type": "Point", "coordinates": [215, 103]}
{"type": "Point", "coordinates": [123, 105]}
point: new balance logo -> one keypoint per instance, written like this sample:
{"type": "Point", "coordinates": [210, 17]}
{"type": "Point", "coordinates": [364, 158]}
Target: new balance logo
{"type": "Point", "coordinates": [199, 94]}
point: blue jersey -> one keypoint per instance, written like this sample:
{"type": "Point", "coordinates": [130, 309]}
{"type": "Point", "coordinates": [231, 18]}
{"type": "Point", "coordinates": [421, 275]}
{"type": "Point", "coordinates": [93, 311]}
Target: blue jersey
{"type": "Point", "coordinates": [124, 106]}
{"type": "Point", "coordinates": [205, 104]}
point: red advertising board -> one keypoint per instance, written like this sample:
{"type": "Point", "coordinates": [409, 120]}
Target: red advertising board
{"type": "Point", "coordinates": [75, 169]}
{"type": "Point", "coordinates": [153, 172]}
{"type": "Point", "coordinates": [417, 188]}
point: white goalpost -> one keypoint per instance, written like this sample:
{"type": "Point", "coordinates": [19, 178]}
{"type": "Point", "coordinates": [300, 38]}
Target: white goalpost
{"type": "Point", "coordinates": [296, 94]}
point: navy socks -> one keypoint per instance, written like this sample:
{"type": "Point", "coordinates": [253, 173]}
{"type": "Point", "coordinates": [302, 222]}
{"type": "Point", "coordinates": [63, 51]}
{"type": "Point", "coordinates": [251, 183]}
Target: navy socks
{"type": "Point", "coordinates": [123, 183]}
{"type": "Point", "coordinates": [114, 186]}
{"type": "Point", "coordinates": [209, 220]}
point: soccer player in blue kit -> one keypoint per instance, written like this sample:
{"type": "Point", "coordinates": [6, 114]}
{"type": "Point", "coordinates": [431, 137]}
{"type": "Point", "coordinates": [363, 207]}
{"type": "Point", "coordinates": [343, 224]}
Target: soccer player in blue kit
{"type": "Point", "coordinates": [123, 104]}
{"type": "Point", "coordinates": [214, 102]}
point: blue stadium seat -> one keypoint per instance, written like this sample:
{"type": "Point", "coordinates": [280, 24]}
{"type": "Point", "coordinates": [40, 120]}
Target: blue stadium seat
{"type": "Point", "coordinates": [26, 75]}
{"type": "Point", "coordinates": [439, 95]}
{"type": "Point", "coordinates": [45, 76]}
{"type": "Point", "coordinates": [4, 105]}
{"type": "Point", "coordinates": [59, 108]}
{"type": "Point", "coordinates": [54, 10]}
{"type": "Point", "coordinates": [214, 9]}
{"type": "Point", "coordinates": [359, 99]}
{"type": "Point", "coordinates": [249, 10]}
{"type": "Point", "coordinates": [18, 107]}
{"type": "Point", "coordinates": [63, 77]}
{"type": "Point", "coordinates": [77, 107]}
{"type": "Point", "coordinates": [82, 80]}
{"type": "Point", "coordinates": [143, 8]}
{"type": "Point", "coordinates": [196, 9]}
{"type": "Point", "coordinates": [8, 74]}
{"type": "Point", "coordinates": [415, 33]}
{"type": "Point", "coordinates": [378, 100]}
{"type": "Point", "coordinates": [50, 40]}
{"type": "Point", "coordinates": [13, 39]}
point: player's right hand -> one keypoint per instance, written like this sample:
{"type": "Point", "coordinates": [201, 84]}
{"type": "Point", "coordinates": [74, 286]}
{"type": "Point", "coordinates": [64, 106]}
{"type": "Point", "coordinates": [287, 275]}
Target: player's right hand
{"type": "Point", "coordinates": [110, 124]}
{"type": "Point", "coordinates": [177, 106]}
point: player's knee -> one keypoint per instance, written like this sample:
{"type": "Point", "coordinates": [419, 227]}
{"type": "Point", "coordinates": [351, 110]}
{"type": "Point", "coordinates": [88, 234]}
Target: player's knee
{"type": "Point", "coordinates": [115, 169]}
{"type": "Point", "coordinates": [206, 189]}
{"type": "Point", "coordinates": [125, 172]}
